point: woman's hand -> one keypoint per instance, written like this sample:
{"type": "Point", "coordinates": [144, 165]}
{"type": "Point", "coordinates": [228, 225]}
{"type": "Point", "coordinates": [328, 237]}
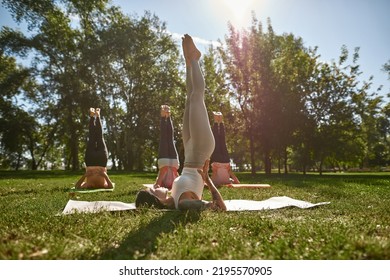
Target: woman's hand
{"type": "Point", "coordinates": [219, 204]}
{"type": "Point", "coordinates": [205, 171]}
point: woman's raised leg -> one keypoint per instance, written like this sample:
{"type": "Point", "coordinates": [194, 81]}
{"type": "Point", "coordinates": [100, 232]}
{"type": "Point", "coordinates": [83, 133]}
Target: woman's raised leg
{"type": "Point", "coordinates": [202, 139]}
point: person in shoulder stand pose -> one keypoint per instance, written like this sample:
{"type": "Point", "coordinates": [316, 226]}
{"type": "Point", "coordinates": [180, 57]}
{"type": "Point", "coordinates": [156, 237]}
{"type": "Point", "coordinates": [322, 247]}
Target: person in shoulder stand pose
{"type": "Point", "coordinates": [168, 159]}
{"type": "Point", "coordinates": [222, 173]}
{"type": "Point", "coordinates": [96, 156]}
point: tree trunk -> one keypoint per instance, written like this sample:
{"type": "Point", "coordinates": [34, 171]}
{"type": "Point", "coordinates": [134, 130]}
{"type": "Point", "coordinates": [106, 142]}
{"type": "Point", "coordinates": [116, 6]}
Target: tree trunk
{"type": "Point", "coordinates": [74, 150]}
{"type": "Point", "coordinates": [252, 151]}
{"type": "Point", "coordinates": [267, 162]}
{"type": "Point", "coordinates": [73, 141]}
{"type": "Point", "coordinates": [18, 162]}
{"type": "Point", "coordinates": [31, 149]}
{"type": "Point", "coordinates": [113, 158]}
{"type": "Point", "coordinates": [47, 145]}
{"type": "Point", "coordinates": [285, 161]}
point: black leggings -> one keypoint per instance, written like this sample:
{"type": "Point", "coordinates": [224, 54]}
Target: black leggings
{"type": "Point", "coordinates": [96, 153]}
{"type": "Point", "coordinates": [220, 153]}
{"type": "Point", "coordinates": [166, 147]}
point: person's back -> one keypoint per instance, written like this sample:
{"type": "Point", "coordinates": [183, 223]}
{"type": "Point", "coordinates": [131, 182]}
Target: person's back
{"type": "Point", "coordinates": [95, 177]}
{"type": "Point", "coordinates": [221, 170]}
{"type": "Point", "coordinates": [167, 174]}
{"type": "Point", "coordinates": [220, 173]}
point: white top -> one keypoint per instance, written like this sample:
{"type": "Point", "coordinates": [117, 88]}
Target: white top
{"type": "Point", "coordinates": [189, 181]}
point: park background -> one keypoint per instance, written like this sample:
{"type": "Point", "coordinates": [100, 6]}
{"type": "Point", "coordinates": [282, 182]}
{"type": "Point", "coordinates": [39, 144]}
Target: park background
{"type": "Point", "coordinates": [286, 107]}
{"type": "Point", "coordinates": [297, 96]}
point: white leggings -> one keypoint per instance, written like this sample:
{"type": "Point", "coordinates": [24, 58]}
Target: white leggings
{"type": "Point", "coordinates": [197, 136]}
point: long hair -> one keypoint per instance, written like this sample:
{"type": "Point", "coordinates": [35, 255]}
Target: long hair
{"type": "Point", "coordinates": [146, 199]}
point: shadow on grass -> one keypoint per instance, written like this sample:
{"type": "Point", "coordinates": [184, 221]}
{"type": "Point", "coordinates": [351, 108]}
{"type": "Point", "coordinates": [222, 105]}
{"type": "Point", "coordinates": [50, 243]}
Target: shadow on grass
{"type": "Point", "coordinates": [143, 242]}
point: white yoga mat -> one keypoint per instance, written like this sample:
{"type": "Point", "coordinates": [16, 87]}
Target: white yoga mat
{"type": "Point", "coordinates": [271, 203]}
{"type": "Point", "coordinates": [248, 186]}
{"type": "Point", "coordinates": [76, 206]}
{"type": "Point", "coordinates": [237, 186]}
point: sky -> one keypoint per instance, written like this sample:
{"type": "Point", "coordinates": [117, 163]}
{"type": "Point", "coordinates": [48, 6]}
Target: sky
{"type": "Point", "coordinates": [327, 24]}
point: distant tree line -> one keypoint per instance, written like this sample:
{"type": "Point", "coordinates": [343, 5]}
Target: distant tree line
{"type": "Point", "coordinates": [284, 108]}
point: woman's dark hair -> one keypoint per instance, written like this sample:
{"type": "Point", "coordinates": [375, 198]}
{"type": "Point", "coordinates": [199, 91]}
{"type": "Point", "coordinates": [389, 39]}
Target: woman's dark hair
{"type": "Point", "coordinates": [146, 199]}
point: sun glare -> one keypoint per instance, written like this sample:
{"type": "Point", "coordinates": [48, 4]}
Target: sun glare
{"type": "Point", "coordinates": [239, 11]}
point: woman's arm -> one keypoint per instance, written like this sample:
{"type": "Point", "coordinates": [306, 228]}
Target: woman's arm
{"type": "Point", "coordinates": [215, 194]}
{"type": "Point", "coordinates": [218, 203]}
{"type": "Point", "coordinates": [80, 181]}
{"type": "Point", "coordinates": [235, 179]}
{"type": "Point", "coordinates": [109, 183]}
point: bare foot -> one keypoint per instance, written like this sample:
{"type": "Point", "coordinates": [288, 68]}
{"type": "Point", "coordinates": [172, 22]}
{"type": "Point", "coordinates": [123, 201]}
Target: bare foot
{"type": "Point", "coordinates": [97, 112]}
{"type": "Point", "coordinates": [185, 51]}
{"type": "Point", "coordinates": [165, 111]}
{"type": "Point", "coordinates": [192, 52]}
{"type": "Point", "coordinates": [217, 117]}
{"type": "Point", "coordinates": [91, 112]}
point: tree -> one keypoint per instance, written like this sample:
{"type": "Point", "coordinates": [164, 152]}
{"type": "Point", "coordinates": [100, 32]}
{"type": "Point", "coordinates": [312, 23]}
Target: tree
{"type": "Point", "coordinates": [56, 51]}
{"type": "Point", "coordinates": [293, 69]}
{"type": "Point", "coordinates": [238, 62]}
{"type": "Point", "coordinates": [268, 74]}
{"type": "Point", "coordinates": [138, 70]}
{"type": "Point", "coordinates": [126, 66]}
{"type": "Point", "coordinates": [386, 68]}
{"type": "Point", "coordinates": [16, 125]}
{"type": "Point", "coordinates": [220, 99]}
{"type": "Point", "coordinates": [331, 106]}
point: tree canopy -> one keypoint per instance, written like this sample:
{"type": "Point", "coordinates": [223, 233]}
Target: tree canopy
{"type": "Point", "coordinates": [284, 108]}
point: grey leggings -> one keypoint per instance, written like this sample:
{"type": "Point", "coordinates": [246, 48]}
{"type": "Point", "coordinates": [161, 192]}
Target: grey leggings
{"type": "Point", "coordinates": [198, 138]}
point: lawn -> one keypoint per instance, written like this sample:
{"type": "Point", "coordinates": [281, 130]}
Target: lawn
{"type": "Point", "coordinates": [355, 225]}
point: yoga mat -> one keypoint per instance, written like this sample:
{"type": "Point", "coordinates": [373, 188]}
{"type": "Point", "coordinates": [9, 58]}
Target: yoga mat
{"type": "Point", "coordinates": [76, 206]}
{"type": "Point", "coordinates": [91, 190]}
{"type": "Point", "coordinates": [248, 186]}
{"type": "Point", "coordinates": [243, 186]}
{"type": "Point", "coordinates": [268, 204]}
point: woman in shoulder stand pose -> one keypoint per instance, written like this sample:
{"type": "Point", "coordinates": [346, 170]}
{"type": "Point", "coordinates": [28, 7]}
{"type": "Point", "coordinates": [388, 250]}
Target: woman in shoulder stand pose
{"type": "Point", "coordinates": [168, 159]}
{"type": "Point", "coordinates": [222, 173]}
{"type": "Point", "coordinates": [96, 156]}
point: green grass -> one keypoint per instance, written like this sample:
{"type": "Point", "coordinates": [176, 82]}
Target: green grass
{"type": "Point", "coordinates": [356, 225]}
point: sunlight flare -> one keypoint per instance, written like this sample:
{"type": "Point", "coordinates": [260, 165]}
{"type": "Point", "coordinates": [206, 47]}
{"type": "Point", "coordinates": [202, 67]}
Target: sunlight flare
{"type": "Point", "coordinates": [239, 10]}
